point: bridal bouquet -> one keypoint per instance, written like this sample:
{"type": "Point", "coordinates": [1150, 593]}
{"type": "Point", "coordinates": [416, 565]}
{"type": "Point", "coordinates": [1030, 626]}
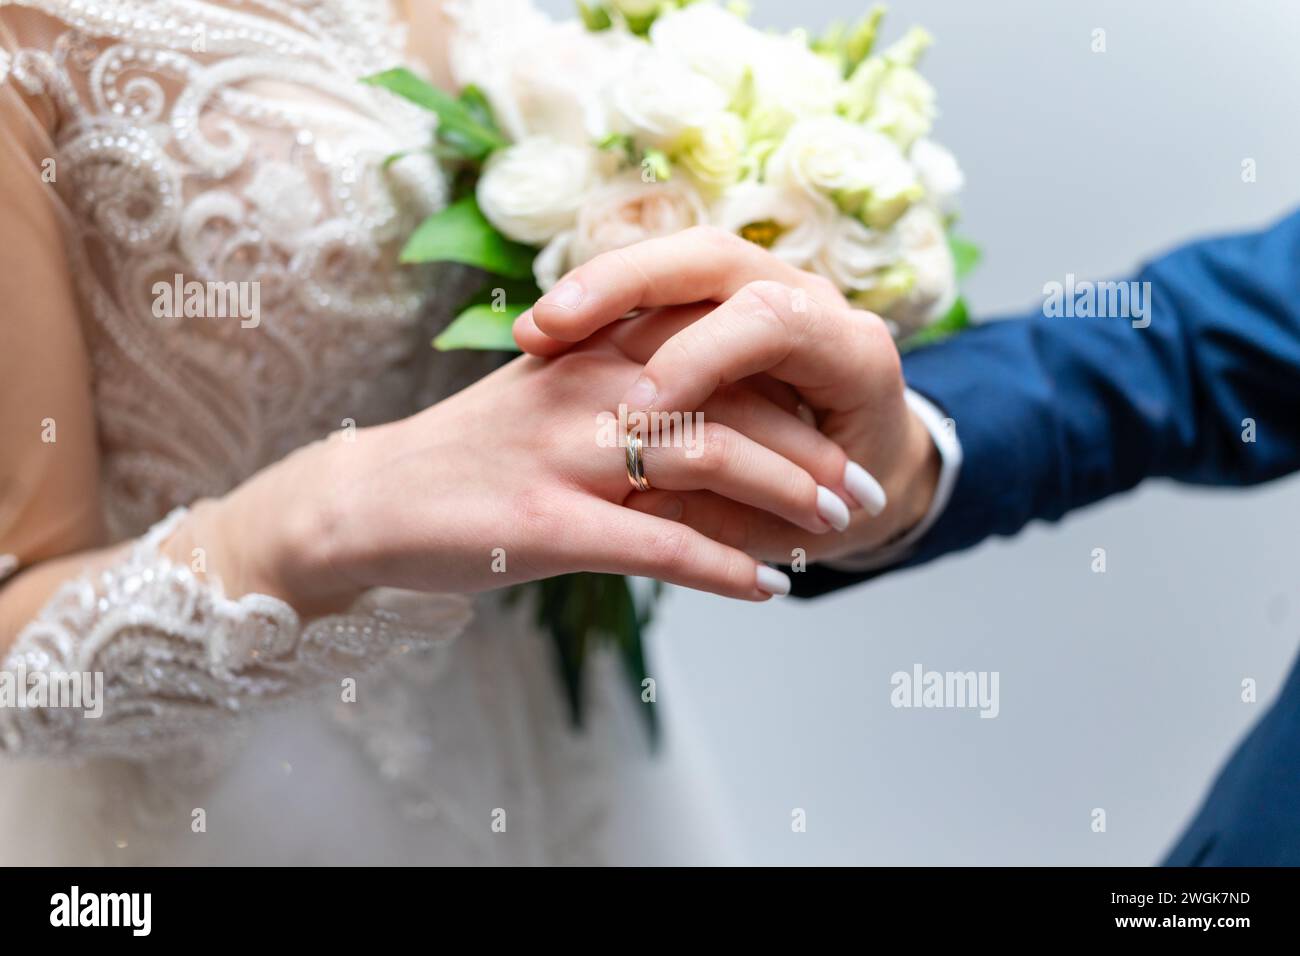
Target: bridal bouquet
{"type": "Point", "coordinates": [641, 118]}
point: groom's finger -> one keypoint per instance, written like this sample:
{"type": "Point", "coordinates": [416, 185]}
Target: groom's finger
{"type": "Point", "coordinates": [699, 264]}
{"type": "Point", "coordinates": [836, 357]}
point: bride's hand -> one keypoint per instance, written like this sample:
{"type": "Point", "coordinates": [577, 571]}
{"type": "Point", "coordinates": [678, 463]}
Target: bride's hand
{"type": "Point", "coordinates": [510, 481]}
{"type": "Point", "coordinates": [773, 322]}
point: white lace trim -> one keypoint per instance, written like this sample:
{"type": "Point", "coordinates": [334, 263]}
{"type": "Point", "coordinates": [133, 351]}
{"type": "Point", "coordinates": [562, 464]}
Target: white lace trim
{"type": "Point", "coordinates": [179, 659]}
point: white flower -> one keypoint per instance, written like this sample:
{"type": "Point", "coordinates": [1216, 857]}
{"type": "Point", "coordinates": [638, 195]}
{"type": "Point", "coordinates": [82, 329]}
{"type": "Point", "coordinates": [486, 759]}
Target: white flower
{"type": "Point", "coordinates": [904, 106]}
{"type": "Point", "coordinates": [709, 40]}
{"type": "Point", "coordinates": [657, 99]}
{"type": "Point", "coordinates": [925, 251]}
{"type": "Point", "coordinates": [862, 172]}
{"type": "Point", "coordinates": [532, 190]}
{"type": "Point", "coordinates": [623, 211]}
{"type": "Point", "coordinates": [887, 93]}
{"type": "Point", "coordinates": [790, 225]}
{"type": "Point", "coordinates": [715, 153]}
{"type": "Point", "coordinates": [790, 78]}
{"type": "Point", "coordinates": [939, 173]}
{"type": "Point", "coordinates": [541, 78]}
{"type": "Point", "coordinates": [853, 256]}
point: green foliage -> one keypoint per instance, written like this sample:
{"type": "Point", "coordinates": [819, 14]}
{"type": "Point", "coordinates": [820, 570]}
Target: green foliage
{"type": "Point", "coordinates": [486, 321]}
{"type": "Point", "coordinates": [958, 318]}
{"type": "Point", "coordinates": [463, 124]}
{"type": "Point", "coordinates": [965, 255]}
{"type": "Point", "coordinates": [460, 233]}
{"type": "Point", "coordinates": [578, 609]}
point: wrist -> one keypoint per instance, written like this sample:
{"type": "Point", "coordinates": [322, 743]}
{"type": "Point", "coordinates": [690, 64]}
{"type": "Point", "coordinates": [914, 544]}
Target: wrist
{"type": "Point", "coordinates": [911, 486]}
{"type": "Point", "coordinates": [271, 536]}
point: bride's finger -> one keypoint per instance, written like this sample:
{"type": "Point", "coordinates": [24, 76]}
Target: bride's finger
{"type": "Point", "coordinates": [721, 459]}
{"type": "Point", "coordinates": [754, 415]}
{"type": "Point", "coordinates": [703, 263]}
{"type": "Point", "coordinates": [759, 534]}
{"type": "Point", "coordinates": [616, 540]}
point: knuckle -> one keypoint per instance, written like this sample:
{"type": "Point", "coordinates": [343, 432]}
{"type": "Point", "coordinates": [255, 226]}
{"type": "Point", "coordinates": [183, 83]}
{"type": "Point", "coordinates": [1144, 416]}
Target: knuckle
{"type": "Point", "coordinates": [714, 236]}
{"type": "Point", "coordinates": [718, 447]}
{"type": "Point", "coordinates": [672, 549]}
{"type": "Point", "coordinates": [765, 300]}
{"type": "Point", "coordinates": [738, 572]}
{"type": "Point", "coordinates": [537, 516]}
{"type": "Point", "coordinates": [880, 347]}
{"type": "Point", "coordinates": [824, 289]}
{"type": "Point", "coordinates": [623, 263]}
{"type": "Point", "coordinates": [831, 461]}
{"type": "Point", "coordinates": [801, 490]}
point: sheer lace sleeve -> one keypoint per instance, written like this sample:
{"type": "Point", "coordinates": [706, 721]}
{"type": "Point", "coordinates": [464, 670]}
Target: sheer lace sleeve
{"type": "Point", "coordinates": [144, 657]}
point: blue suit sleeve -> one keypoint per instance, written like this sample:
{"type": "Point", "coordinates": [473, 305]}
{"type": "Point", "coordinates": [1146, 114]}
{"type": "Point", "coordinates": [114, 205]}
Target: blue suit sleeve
{"type": "Point", "coordinates": [1054, 413]}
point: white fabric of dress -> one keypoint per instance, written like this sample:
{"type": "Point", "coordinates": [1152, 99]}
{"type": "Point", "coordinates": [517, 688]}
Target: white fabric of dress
{"type": "Point", "coordinates": [232, 142]}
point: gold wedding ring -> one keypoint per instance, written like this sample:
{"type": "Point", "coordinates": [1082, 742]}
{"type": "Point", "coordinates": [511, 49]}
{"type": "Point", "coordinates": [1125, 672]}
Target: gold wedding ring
{"type": "Point", "coordinates": [635, 464]}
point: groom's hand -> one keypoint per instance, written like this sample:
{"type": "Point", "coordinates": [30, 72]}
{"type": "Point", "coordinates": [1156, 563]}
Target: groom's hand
{"type": "Point", "coordinates": [764, 319]}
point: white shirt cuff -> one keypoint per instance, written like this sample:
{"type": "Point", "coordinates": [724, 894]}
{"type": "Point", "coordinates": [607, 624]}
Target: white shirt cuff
{"type": "Point", "coordinates": [944, 435]}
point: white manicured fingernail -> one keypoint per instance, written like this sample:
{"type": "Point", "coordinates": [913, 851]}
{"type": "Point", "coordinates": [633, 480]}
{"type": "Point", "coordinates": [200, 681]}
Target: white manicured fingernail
{"type": "Point", "coordinates": [772, 581]}
{"type": "Point", "coordinates": [832, 509]}
{"type": "Point", "coordinates": [864, 488]}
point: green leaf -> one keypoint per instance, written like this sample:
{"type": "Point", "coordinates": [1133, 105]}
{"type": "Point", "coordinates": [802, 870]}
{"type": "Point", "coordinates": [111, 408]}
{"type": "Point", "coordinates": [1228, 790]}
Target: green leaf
{"type": "Point", "coordinates": [457, 123]}
{"type": "Point", "coordinates": [958, 318]}
{"type": "Point", "coordinates": [579, 610]}
{"type": "Point", "coordinates": [460, 233]}
{"type": "Point", "coordinates": [481, 327]}
{"type": "Point", "coordinates": [655, 160]}
{"type": "Point", "coordinates": [595, 17]}
{"type": "Point", "coordinates": [476, 104]}
{"type": "Point", "coordinates": [859, 41]}
{"type": "Point", "coordinates": [965, 254]}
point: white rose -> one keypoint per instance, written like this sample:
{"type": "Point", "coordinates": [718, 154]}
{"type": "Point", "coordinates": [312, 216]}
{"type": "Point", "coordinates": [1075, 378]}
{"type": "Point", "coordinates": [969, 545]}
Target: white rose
{"type": "Point", "coordinates": [789, 225]}
{"type": "Point", "coordinates": [708, 40]}
{"type": "Point", "coordinates": [715, 153]}
{"type": "Point", "coordinates": [924, 247]}
{"type": "Point", "coordinates": [618, 214]}
{"type": "Point", "coordinates": [541, 78]}
{"type": "Point", "coordinates": [862, 172]}
{"type": "Point", "coordinates": [790, 78]}
{"type": "Point", "coordinates": [532, 190]}
{"type": "Point", "coordinates": [853, 256]}
{"type": "Point", "coordinates": [939, 173]}
{"type": "Point", "coordinates": [657, 99]}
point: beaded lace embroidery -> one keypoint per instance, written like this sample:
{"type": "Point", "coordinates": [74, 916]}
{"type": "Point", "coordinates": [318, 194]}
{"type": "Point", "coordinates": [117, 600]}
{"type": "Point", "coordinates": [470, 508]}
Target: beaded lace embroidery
{"type": "Point", "coordinates": [223, 143]}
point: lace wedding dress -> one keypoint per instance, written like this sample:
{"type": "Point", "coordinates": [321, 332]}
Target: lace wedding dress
{"type": "Point", "coordinates": [231, 142]}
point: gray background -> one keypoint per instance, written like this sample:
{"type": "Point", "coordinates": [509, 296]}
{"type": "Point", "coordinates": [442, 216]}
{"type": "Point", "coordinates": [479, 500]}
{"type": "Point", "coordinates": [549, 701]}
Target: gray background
{"type": "Point", "coordinates": [1119, 691]}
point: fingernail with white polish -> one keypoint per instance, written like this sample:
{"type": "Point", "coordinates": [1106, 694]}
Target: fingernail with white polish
{"type": "Point", "coordinates": [772, 581]}
{"type": "Point", "coordinates": [864, 488]}
{"type": "Point", "coordinates": [832, 509]}
{"type": "Point", "coordinates": [566, 295]}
